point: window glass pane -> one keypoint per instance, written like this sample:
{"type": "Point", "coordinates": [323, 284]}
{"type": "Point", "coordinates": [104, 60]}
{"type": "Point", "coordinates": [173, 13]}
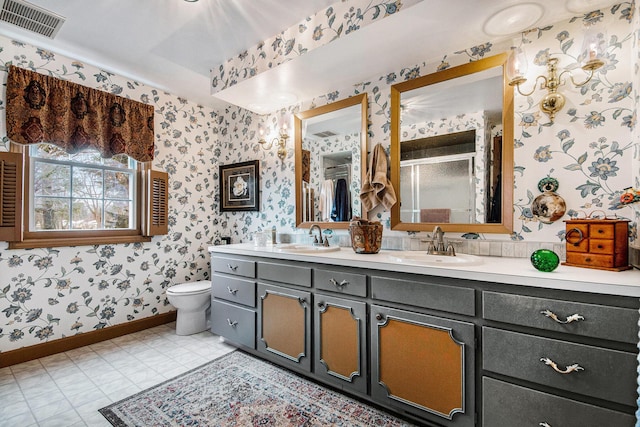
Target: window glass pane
{"type": "Point", "coordinates": [81, 191]}
{"type": "Point", "coordinates": [118, 161]}
{"type": "Point", "coordinates": [51, 179]}
{"type": "Point", "coordinates": [48, 151]}
{"type": "Point", "coordinates": [116, 214]}
{"type": "Point", "coordinates": [88, 157]}
{"type": "Point", "coordinates": [116, 185]}
{"type": "Point", "coordinates": [87, 182]}
{"type": "Point", "coordinates": [51, 214]}
{"type": "Point", "coordinates": [87, 214]}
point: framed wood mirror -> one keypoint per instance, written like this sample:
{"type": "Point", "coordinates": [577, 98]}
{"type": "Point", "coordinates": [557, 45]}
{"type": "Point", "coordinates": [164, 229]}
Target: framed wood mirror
{"type": "Point", "coordinates": [452, 149]}
{"type": "Point", "coordinates": [330, 155]}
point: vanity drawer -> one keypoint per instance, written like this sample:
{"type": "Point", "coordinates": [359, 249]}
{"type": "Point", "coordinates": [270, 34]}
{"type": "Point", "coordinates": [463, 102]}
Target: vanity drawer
{"type": "Point", "coordinates": [508, 404]}
{"type": "Point", "coordinates": [237, 324]}
{"type": "Point", "coordinates": [341, 282]}
{"type": "Point", "coordinates": [237, 267]}
{"type": "Point", "coordinates": [577, 237]}
{"type": "Point", "coordinates": [428, 295]}
{"type": "Point", "coordinates": [602, 373]}
{"type": "Point", "coordinates": [601, 231]}
{"type": "Point", "coordinates": [600, 246]}
{"type": "Point", "coordinates": [285, 273]}
{"type": "Point", "coordinates": [588, 259]}
{"type": "Point", "coordinates": [611, 323]}
{"type": "Point", "coordinates": [240, 291]}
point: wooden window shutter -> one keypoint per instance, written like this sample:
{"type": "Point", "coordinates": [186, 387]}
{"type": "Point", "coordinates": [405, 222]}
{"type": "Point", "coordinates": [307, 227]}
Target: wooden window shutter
{"type": "Point", "coordinates": [10, 196]}
{"type": "Point", "coordinates": [157, 203]}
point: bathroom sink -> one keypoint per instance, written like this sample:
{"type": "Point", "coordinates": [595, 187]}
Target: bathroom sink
{"type": "Point", "coordinates": [299, 248]}
{"type": "Point", "coordinates": [423, 258]}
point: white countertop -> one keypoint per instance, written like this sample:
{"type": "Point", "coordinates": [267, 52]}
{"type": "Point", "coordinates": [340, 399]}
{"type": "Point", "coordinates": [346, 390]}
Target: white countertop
{"type": "Point", "coordinates": [515, 271]}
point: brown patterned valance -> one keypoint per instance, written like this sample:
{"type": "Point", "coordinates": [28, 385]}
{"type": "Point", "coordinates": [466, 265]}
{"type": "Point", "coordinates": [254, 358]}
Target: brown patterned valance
{"type": "Point", "coordinates": [74, 117]}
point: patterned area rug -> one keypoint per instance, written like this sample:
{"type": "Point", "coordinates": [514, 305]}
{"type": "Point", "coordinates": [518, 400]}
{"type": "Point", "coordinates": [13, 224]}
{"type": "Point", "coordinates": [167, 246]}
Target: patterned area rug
{"type": "Point", "coordinates": [241, 390]}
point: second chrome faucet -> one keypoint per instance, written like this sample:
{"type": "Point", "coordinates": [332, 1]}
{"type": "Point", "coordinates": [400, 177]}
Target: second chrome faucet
{"type": "Point", "coordinates": [438, 246]}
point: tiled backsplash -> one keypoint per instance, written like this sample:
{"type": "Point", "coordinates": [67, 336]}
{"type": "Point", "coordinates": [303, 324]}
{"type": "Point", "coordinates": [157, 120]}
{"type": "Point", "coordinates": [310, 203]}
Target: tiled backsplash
{"type": "Point", "coordinates": [498, 248]}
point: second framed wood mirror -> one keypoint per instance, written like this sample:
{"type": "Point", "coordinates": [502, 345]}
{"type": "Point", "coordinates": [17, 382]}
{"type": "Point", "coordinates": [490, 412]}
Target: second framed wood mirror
{"type": "Point", "coordinates": [330, 154]}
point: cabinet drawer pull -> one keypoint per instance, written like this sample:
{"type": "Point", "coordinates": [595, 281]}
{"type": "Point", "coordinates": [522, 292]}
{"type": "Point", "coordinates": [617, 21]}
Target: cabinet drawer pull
{"type": "Point", "coordinates": [335, 283]}
{"type": "Point", "coordinates": [580, 236]}
{"type": "Point", "coordinates": [232, 267]}
{"type": "Point", "coordinates": [569, 369]}
{"type": "Point", "coordinates": [573, 318]}
{"type": "Point", "coordinates": [232, 324]}
{"type": "Point", "coordinates": [232, 291]}
{"type": "Point", "coordinates": [543, 424]}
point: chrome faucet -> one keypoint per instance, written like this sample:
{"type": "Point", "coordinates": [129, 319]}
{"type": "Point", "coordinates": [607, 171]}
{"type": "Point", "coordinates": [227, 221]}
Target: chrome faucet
{"type": "Point", "coordinates": [318, 240]}
{"type": "Point", "coordinates": [437, 245]}
{"type": "Point", "coordinates": [438, 235]}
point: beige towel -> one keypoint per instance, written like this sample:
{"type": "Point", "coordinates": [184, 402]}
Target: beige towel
{"type": "Point", "coordinates": [377, 188]}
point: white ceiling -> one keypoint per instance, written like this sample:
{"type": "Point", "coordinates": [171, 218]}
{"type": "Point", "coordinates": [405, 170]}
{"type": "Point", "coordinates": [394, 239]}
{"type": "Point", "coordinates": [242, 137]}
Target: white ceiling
{"type": "Point", "coordinates": [172, 44]}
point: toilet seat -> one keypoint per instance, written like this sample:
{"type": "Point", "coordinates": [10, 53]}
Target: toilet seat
{"type": "Point", "coordinates": [190, 288]}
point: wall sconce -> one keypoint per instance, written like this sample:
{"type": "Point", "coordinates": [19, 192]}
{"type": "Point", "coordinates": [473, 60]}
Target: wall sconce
{"type": "Point", "coordinates": [280, 141]}
{"type": "Point", "coordinates": [553, 101]}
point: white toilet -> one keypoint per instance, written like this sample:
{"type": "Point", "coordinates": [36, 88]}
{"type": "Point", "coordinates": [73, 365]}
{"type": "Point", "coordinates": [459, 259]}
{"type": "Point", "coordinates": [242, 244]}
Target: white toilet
{"type": "Point", "coordinates": [192, 300]}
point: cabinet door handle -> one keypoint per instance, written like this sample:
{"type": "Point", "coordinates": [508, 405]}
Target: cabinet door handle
{"type": "Point", "coordinates": [232, 324]}
{"type": "Point", "coordinates": [302, 300]}
{"type": "Point", "coordinates": [580, 236]}
{"type": "Point", "coordinates": [573, 318]}
{"type": "Point", "coordinates": [232, 267]}
{"type": "Point", "coordinates": [543, 424]}
{"type": "Point", "coordinates": [232, 291]}
{"type": "Point", "coordinates": [335, 283]}
{"type": "Point", "coordinates": [379, 317]}
{"type": "Point", "coordinates": [569, 369]}
{"type": "Point", "coordinates": [321, 305]}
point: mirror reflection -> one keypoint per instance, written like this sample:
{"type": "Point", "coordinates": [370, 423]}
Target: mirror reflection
{"type": "Point", "coordinates": [452, 142]}
{"type": "Point", "coordinates": [330, 156]}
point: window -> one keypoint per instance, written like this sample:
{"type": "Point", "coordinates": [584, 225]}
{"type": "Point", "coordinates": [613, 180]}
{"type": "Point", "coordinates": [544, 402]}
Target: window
{"type": "Point", "coordinates": [75, 199]}
{"type": "Point", "coordinates": [80, 191]}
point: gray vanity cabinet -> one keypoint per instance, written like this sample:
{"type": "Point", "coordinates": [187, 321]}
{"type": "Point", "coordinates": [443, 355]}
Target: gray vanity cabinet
{"type": "Point", "coordinates": [440, 350]}
{"type": "Point", "coordinates": [340, 342]}
{"type": "Point", "coordinates": [554, 362]}
{"type": "Point", "coordinates": [233, 300]}
{"type": "Point", "coordinates": [507, 404]}
{"type": "Point", "coordinates": [423, 365]}
{"type": "Point", "coordinates": [284, 325]}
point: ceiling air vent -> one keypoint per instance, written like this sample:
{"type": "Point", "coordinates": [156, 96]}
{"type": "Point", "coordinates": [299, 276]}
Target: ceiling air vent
{"type": "Point", "coordinates": [325, 134]}
{"type": "Point", "coordinates": [30, 17]}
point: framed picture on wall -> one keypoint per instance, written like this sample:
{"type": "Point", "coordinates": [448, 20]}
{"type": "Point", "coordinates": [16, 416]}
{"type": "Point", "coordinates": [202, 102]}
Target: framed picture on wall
{"type": "Point", "coordinates": [240, 186]}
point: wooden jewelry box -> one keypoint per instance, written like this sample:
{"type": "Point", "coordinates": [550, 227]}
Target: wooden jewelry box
{"type": "Point", "coordinates": [598, 243]}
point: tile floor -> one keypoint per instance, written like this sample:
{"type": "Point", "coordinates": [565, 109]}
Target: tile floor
{"type": "Point", "coordinates": [67, 389]}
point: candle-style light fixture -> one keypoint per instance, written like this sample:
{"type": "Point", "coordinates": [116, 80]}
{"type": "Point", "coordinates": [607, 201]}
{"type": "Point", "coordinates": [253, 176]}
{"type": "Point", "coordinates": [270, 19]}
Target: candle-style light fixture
{"type": "Point", "coordinates": [592, 52]}
{"type": "Point", "coordinates": [280, 141]}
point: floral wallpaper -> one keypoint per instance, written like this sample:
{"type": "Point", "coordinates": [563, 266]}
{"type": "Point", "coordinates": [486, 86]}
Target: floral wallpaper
{"type": "Point", "coordinates": [47, 294]}
{"type": "Point", "coordinates": [592, 149]}
{"type": "Point", "coordinates": [326, 26]}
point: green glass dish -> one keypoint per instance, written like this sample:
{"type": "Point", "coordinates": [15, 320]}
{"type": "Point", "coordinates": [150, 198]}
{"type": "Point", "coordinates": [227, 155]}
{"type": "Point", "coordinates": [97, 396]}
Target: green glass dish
{"type": "Point", "coordinates": [545, 260]}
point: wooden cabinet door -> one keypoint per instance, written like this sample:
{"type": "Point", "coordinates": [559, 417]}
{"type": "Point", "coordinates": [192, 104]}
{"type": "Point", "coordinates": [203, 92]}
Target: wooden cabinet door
{"type": "Point", "coordinates": [340, 354]}
{"type": "Point", "coordinates": [424, 365]}
{"type": "Point", "coordinates": [284, 324]}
